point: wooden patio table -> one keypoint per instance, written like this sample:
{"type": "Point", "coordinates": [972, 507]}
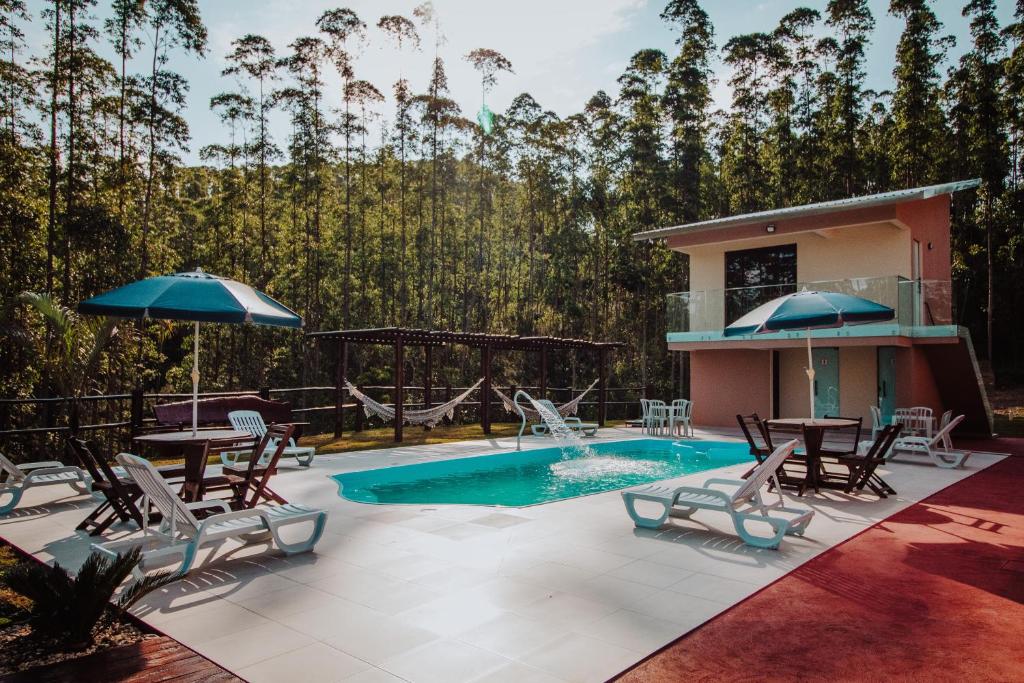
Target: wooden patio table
{"type": "Point", "coordinates": [173, 443]}
{"type": "Point", "coordinates": [816, 428]}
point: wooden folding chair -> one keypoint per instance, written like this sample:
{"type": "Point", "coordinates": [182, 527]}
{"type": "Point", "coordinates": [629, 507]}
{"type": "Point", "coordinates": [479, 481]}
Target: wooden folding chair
{"type": "Point", "coordinates": [861, 468]}
{"type": "Point", "coordinates": [250, 487]}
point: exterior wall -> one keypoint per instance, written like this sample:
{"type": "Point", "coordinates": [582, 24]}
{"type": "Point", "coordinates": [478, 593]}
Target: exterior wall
{"type": "Point", "coordinates": [858, 382]}
{"type": "Point", "coordinates": [915, 384]}
{"type": "Point", "coordinates": [876, 250]}
{"type": "Point", "coordinates": [929, 224]}
{"type": "Point", "coordinates": [724, 383]}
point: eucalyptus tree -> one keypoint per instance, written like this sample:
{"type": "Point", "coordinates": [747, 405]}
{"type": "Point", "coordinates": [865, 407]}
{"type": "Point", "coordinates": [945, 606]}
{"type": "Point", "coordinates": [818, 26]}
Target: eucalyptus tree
{"type": "Point", "coordinates": [687, 101]}
{"type": "Point", "coordinates": [16, 90]}
{"type": "Point", "coordinates": [122, 27]}
{"type": "Point", "coordinates": [919, 135]}
{"type": "Point", "coordinates": [253, 57]}
{"type": "Point", "coordinates": [979, 126]}
{"type": "Point", "coordinates": [172, 24]}
{"type": "Point", "coordinates": [345, 31]}
{"type": "Point", "coordinates": [488, 63]}
{"type": "Point", "coordinates": [363, 96]}
{"type": "Point", "coordinates": [310, 152]}
{"type": "Point", "coordinates": [852, 22]}
{"type": "Point", "coordinates": [402, 33]}
{"type": "Point", "coordinates": [751, 57]}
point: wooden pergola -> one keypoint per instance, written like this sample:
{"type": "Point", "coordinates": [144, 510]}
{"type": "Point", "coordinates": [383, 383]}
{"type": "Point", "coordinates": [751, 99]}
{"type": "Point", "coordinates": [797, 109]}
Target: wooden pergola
{"type": "Point", "coordinates": [402, 337]}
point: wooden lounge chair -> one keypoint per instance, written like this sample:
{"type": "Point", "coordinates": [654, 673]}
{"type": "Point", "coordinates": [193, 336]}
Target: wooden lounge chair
{"type": "Point", "coordinates": [19, 478]}
{"type": "Point", "coordinates": [938, 447]}
{"type": "Point", "coordinates": [181, 534]}
{"type": "Point", "coordinates": [860, 468]}
{"type": "Point", "coordinates": [252, 422]}
{"type": "Point", "coordinates": [744, 504]}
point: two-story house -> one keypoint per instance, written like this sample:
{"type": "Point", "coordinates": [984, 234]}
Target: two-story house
{"type": "Point", "coordinates": [893, 248]}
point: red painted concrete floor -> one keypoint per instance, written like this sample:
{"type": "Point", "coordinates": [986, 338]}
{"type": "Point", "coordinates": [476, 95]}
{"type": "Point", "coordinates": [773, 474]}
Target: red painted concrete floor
{"type": "Point", "coordinates": [934, 593]}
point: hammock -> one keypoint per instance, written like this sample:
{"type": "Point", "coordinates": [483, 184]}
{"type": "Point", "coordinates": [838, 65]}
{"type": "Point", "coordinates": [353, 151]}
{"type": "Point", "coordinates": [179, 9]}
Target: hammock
{"type": "Point", "coordinates": [564, 410]}
{"type": "Point", "coordinates": [429, 417]}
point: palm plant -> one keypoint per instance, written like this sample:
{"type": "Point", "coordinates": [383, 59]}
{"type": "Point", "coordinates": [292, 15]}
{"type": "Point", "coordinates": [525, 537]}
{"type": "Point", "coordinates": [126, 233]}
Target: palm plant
{"type": "Point", "coordinates": [75, 346]}
{"type": "Point", "coordinates": [68, 608]}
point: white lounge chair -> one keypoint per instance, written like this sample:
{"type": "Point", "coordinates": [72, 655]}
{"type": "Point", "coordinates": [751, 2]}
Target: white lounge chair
{"type": "Point", "coordinates": [252, 422]}
{"type": "Point", "coordinates": [939, 447]}
{"type": "Point", "coordinates": [31, 474]}
{"type": "Point", "coordinates": [181, 534]}
{"type": "Point", "coordinates": [744, 504]}
{"type": "Point", "coordinates": [572, 422]}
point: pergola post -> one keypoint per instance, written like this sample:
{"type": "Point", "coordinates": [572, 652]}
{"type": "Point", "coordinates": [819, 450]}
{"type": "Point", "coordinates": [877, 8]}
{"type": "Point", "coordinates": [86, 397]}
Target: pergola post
{"type": "Point", "coordinates": [602, 385]}
{"type": "Point", "coordinates": [339, 388]}
{"type": "Point", "coordinates": [399, 386]}
{"type": "Point", "coordinates": [428, 373]}
{"type": "Point", "coordinates": [485, 390]}
{"type": "Point", "coordinates": [543, 372]}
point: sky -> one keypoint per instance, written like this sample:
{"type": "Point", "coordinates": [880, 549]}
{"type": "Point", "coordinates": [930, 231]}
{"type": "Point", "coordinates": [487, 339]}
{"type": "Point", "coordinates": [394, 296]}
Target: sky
{"type": "Point", "coordinates": [562, 51]}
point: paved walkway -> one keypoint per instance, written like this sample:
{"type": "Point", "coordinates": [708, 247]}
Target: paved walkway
{"type": "Point", "coordinates": [565, 591]}
{"type": "Point", "coordinates": [935, 592]}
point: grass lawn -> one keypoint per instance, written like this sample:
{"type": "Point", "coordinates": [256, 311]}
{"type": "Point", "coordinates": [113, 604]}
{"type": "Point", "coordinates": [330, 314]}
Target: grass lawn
{"type": "Point", "coordinates": [383, 437]}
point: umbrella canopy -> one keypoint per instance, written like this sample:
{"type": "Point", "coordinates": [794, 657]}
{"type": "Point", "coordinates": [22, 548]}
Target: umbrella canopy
{"type": "Point", "coordinates": [806, 311]}
{"type": "Point", "coordinates": [195, 297]}
{"type": "Point", "coordinates": [809, 310]}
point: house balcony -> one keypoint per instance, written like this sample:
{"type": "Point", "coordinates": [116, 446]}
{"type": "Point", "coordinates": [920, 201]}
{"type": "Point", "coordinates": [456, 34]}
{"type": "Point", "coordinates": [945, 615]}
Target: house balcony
{"type": "Point", "coordinates": [696, 319]}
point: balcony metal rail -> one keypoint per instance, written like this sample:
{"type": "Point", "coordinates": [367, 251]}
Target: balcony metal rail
{"type": "Point", "coordinates": [917, 302]}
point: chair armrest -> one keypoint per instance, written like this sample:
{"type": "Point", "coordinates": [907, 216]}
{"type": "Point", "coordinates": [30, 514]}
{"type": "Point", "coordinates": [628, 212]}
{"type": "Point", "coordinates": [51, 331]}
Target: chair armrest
{"type": "Point", "coordinates": [204, 504]}
{"type": "Point", "coordinates": [571, 420]}
{"type": "Point", "coordinates": [236, 514]}
{"type": "Point", "coordinates": [44, 471]}
{"type": "Point", "coordinates": [726, 498]}
{"type": "Point", "coordinates": [728, 482]}
{"type": "Point", "coordinates": [912, 441]}
{"type": "Point", "coordinates": [26, 466]}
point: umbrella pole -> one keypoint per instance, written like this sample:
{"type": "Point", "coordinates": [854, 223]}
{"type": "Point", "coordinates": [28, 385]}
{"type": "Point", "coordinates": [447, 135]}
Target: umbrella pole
{"type": "Point", "coordinates": [195, 378]}
{"type": "Point", "coordinates": [810, 372]}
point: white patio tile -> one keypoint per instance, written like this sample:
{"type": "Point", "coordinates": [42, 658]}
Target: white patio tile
{"type": "Point", "coordinates": [314, 663]}
{"type": "Point", "coordinates": [516, 672]}
{"type": "Point", "coordinates": [444, 661]}
{"type": "Point", "coordinates": [650, 573]}
{"type": "Point", "coordinates": [566, 609]}
{"type": "Point", "coordinates": [450, 615]}
{"type": "Point", "coordinates": [581, 659]}
{"type": "Point", "coordinates": [246, 646]}
{"type": "Point", "coordinates": [360, 631]}
{"type": "Point", "coordinates": [281, 603]}
{"type": "Point", "coordinates": [613, 591]}
{"type": "Point", "coordinates": [717, 588]}
{"type": "Point", "coordinates": [679, 608]}
{"type": "Point", "coordinates": [634, 631]}
{"type": "Point", "coordinates": [513, 636]}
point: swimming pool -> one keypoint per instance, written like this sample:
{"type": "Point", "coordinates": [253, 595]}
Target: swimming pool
{"type": "Point", "coordinates": [521, 478]}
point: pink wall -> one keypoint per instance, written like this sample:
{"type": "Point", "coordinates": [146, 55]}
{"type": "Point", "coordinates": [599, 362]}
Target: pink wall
{"type": "Point", "coordinates": [724, 383]}
{"type": "Point", "coordinates": [928, 220]}
{"type": "Point", "coordinates": [915, 384]}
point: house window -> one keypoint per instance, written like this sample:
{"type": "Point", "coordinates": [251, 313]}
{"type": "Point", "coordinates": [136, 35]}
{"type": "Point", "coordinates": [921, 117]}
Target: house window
{"type": "Point", "coordinates": [756, 276]}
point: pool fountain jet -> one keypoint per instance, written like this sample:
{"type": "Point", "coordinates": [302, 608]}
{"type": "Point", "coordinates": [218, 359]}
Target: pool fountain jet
{"type": "Point", "coordinates": [566, 439]}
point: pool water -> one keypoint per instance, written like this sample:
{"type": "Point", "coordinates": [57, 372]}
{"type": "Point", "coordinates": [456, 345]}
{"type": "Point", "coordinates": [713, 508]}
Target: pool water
{"type": "Point", "coordinates": [521, 478]}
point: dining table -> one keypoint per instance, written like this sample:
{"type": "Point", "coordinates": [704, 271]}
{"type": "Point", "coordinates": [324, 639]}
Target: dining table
{"type": "Point", "coordinates": [178, 443]}
{"type": "Point", "coordinates": [813, 429]}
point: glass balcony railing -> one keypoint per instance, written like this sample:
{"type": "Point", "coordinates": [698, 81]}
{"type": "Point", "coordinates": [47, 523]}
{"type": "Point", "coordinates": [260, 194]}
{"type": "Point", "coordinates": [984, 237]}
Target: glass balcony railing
{"type": "Point", "coordinates": [916, 302]}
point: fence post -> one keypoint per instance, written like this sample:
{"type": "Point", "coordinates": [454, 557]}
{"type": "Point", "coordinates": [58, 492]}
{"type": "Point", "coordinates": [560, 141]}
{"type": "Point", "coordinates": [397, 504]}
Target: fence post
{"type": "Point", "coordinates": [265, 393]}
{"type": "Point", "coordinates": [135, 421]}
{"type": "Point", "coordinates": [339, 389]}
{"type": "Point", "coordinates": [448, 397]}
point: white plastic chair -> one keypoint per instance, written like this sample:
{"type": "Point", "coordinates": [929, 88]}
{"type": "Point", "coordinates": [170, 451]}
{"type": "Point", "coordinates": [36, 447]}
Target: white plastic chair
{"type": "Point", "coordinates": [876, 422]}
{"type": "Point", "coordinates": [252, 422]}
{"type": "Point", "coordinates": [939, 447]}
{"type": "Point", "coordinates": [32, 474]}
{"type": "Point", "coordinates": [916, 421]}
{"type": "Point", "coordinates": [657, 417]}
{"type": "Point", "coordinates": [679, 418]}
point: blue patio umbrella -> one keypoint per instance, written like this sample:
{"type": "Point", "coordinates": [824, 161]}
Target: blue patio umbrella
{"type": "Point", "coordinates": [806, 311]}
{"type": "Point", "coordinates": [195, 297]}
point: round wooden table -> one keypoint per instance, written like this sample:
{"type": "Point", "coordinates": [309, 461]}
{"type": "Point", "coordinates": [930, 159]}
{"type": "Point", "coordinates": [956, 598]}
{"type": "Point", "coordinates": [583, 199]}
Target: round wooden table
{"type": "Point", "coordinates": [814, 422]}
{"type": "Point", "coordinates": [173, 444]}
{"type": "Point", "coordinates": [815, 428]}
